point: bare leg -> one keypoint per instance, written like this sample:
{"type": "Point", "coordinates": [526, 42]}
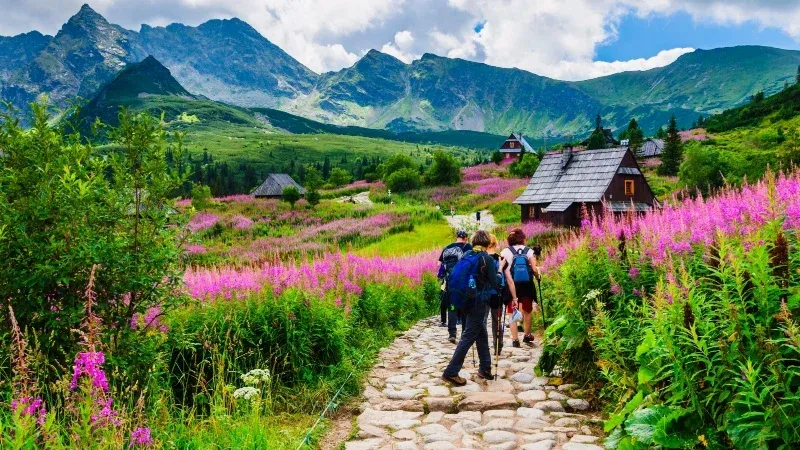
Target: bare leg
{"type": "Point", "coordinates": [526, 322]}
{"type": "Point", "coordinates": [514, 331]}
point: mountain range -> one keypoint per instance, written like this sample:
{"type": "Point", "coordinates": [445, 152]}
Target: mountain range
{"type": "Point", "coordinates": [229, 61]}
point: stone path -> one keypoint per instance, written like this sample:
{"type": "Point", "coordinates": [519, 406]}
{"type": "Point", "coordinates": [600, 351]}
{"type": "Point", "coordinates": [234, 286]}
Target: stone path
{"type": "Point", "coordinates": [408, 406]}
{"type": "Point", "coordinates": [359, 199]}
{"type": "Point", "coordinates": [469, 223]}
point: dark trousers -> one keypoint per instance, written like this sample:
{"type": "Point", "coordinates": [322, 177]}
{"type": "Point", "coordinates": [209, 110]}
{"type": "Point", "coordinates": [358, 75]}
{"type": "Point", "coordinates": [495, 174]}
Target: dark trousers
{"type": "Point", "coordinates": [444, 306]}
{"type": "Point", "coordinates": [450, 315]}
{"type": "Point", "coordinates": [474, 333]}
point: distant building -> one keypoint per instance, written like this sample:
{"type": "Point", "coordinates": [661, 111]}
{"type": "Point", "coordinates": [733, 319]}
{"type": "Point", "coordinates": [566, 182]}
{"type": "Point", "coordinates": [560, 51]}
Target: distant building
{"type": "Point", "coordinates": [514, 145]}
{"type": "Point", "coordinates": [604, 180]}
{"type": "Point", "coordinates": [273, 186]}
{"type": "Point", "coordinates": [610, 141]}
{"type": "Point", "coordinates": [651, 148]}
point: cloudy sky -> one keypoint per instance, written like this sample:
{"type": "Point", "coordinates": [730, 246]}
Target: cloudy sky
{"type": "Point", "coordinates": [564, 39]}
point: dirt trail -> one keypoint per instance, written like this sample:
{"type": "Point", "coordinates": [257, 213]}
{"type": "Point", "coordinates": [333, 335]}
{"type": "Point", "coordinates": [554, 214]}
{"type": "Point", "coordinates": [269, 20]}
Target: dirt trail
{"type": "Point", "coordinates": [470, 222]}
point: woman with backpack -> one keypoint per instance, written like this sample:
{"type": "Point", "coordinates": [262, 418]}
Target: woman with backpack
{"type": "Point", "coordinates": [472, 281]}
{"type": "Point", "coordinates": [523, 268]}
{"type": "Point", "coordinates": [500, 298]}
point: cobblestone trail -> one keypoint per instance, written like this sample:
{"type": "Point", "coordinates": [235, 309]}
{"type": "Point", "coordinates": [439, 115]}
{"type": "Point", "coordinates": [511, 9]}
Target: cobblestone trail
{"type": "Point", "coordinates": [408, 406]}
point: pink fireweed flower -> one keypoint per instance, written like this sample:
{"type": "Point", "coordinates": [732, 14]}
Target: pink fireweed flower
{"type": "Point", "coordinates": [106, 415]}
{"type": "Point", "coordinates": [89, 364]}
{"type": "Point", "coordinates": [195, 249]}
{"type": "Point", "coordinates": [615, 289]}
{"type": "Point", "coordinates": [240, 222]}
{"type": "Point", "coordinates": [633, 273]}
{"type": "Point", "coordinates": [141, 438]}
{"type": "Point", "coordinates": [148, 320]}
{"type": "Point", "coordinates": [30, 407]}
{"type": "Point", "coordinates": [202, 221]}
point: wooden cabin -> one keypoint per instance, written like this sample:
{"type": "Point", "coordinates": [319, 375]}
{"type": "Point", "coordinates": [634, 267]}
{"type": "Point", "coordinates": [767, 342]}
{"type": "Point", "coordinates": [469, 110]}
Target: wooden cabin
{"type": "Point", "coordinates": [604, 180]}
{"type": "Point", "coordinates": [273, 186]}
{"type": "Point", "coordinates": [514, 145]}
{"type": "Point", "coordinates": [651, 148]}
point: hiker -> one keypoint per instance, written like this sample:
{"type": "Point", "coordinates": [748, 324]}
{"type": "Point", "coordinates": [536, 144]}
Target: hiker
{"type": "Point", "coordinates": [447, 260]}
{"type": "Point", "coordinates": [471, 281]}
{"type": "Point", "coordinates": [499, 299]}
{"type": "Point", "coordinates": [523, 267]}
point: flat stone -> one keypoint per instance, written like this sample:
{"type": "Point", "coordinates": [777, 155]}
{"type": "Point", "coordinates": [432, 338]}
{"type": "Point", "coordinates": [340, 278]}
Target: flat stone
{"type": "Point", "coordinates": [470, 442]}
{"type": "Point", "coordinates": [549, 406]}
{"type": "Point", "coordinates": [469, 387]}
{"type": "Point", "coordinates": [578, 446]}
{"type": "Point", "coordinates": [399, 379]}
{"type": "Point", "coordinates": [530, 413]}
{"type": "Point", "coordinates": [439, 391]}
{"type": "Point", "coordinates": [469, 425]}
{"type": "Point", "coordinates": [533, 424]}
{"type": "Point", "coordinates": [504, 446]}
{"type": "Point", "coordinates": [405, 394]}
{"type": "Point", "coordinates": [405, 445]}
{"type": "Point", "coordinates": [546, 436]}
{"type": "Point", "coordinates": [500, 385]}
{"type": "Point", "coordinates": [584, 439]}
{"type": "Point", "coordinates": [567, 422]}
{"type": "Point", "coordinates": [405, 435]}
{"type": "Point", "coordinates": [496, 424]}
{"type": "Point", "coordinates": [434, 417]}
{"type": "Point", "coordinates": [431, 429]}
{"type": "Point", "coordinates": [474, 416]}
{"type": "Point", "coordinates": [495, 413]}
{"type": "Point", "coordinates": [370, 393]}
{"type": "Point", "coordinates": [441, 445]}
{"type": "Point", "coordinates": [498, 436]}
{"type": "Point", "coordinates": [484, 401]}
{"type": "Point", "coordinates": [371, 431]}
{"type": "Point", "coordinates": [366, 444]}
{"type": "Point", "coordinates": [404, 424]}
{"type": "Point", "coordinates": [578, 404]}
{"type": "Point", "coordinates": [522, 377]}
{"type": "Point", "coordinates": [439, 403]}
{"type": "Point", "coordinates": [531, 397]}
{"type": "Point", "coordinates": [439, 437]}
{"type": "Point", "coordinates": [555, 395]}
{"type": "Point", "coordinates": [540, 445]}
{"type": "Point", "coordinates": [384, 418]}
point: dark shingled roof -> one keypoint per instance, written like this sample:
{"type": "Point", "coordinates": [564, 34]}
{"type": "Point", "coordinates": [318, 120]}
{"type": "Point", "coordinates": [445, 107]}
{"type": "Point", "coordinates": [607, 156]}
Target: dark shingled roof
{"type": "Point", "coordinates": [274, 184]}
{"type": "Point", "coordinates": [585, 180]}
{"type": "Point", "coordinates": [651, 148]}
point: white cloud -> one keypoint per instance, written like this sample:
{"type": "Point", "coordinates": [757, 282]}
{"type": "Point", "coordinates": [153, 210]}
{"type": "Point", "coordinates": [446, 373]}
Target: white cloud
{"type": "Point", "coordinates": [556, 38]}
{"type": "Point", "coordinates": [401, 46]}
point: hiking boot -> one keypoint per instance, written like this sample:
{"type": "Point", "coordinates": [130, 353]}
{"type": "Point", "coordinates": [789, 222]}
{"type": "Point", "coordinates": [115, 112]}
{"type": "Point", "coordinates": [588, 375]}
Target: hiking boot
{"type": "Point", "coordinates": [515, 343]}
{"type": "Point", "coordinates": [452, 339]}
{"type": "Point", "coordinates": [456, 380]}
{"type": "Point", "coordinates": [528, 339]}
{"type": "Point", "coordinates": [486, 376]}
{"type": "Point", "coordinates": [443, 325]}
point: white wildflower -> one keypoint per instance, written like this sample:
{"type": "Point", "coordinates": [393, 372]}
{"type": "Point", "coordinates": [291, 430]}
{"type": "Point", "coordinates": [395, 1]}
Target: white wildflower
{"type": "Point", "coordinates": [256, 376]}
{"type": "Point", "coordinates": [246, 393]}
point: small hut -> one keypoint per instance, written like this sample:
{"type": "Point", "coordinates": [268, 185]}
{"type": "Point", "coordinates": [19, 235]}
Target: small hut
{"type": "Point", "coordinates": [602, 180]}
{"type": "Point", "coordinates": [273, 186]}
{"type": "Point", "coordinates": [651, 148]}
{"type": "Point", "coordinates": [514, 145]}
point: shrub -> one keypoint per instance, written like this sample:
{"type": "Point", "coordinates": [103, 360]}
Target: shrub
{"type": "Point", "coordinates": [200, 196]}
{"type": "Point", "coordinates": [339, 177]}
{"type": "Point", "coordinates": [444, 171]}
{"type": "Point", "coordinates": [404, 180]}
{"type": "Point", "coordinates": [290, 195]}
{"type": "Point", "coordinates": [497, 157]}
{"type": "Point", "coordinates": [396, 163]}
{"type": "Point", "coordinates": [526, 167]}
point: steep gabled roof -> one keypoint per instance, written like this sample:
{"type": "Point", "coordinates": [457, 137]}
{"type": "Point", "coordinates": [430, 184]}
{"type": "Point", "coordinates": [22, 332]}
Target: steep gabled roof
{"type": "Point", "coordinates": [651, 147]}
{"type": "Point", "coordinates": [585, 179]}
{"type": "Point", "coordinates": [522, 142]}
{"type": "Point", "coordinates": [274, 184]}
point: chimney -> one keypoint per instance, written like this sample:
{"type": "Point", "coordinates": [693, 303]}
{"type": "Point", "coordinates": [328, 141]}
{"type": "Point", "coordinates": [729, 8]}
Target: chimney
{"type": "Point", "coordinates": [566, 156]}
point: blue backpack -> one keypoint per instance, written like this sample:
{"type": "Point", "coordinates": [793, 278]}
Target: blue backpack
{"type": "Point", "coordinates": [461, 285]}
{"type": "Point", "coordinates": [520, 267]}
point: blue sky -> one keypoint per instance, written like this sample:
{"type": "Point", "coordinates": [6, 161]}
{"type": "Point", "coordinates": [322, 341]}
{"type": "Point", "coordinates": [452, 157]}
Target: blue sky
{"type": "Point", "coordinates": [563, 39]}
{"type": "Point", "coordinates": [644, 37]}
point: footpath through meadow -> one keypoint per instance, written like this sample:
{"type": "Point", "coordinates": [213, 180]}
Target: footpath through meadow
{"type": "Point", "coordinates": [408, 406]}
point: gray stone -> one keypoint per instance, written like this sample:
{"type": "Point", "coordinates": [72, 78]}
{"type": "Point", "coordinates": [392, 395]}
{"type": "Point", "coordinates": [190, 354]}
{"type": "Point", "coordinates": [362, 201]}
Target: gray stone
{"type": "Point", "coordinates": [469, 425]}
{"type": "Point", "coordinates": [442, 445]}
{"type": "Point", "coordinates": [578, 446]}
{"type": "Point", "coordinates": [431, 429]}
{"type": "Point", "coordinates": [555, 395]}
{"type": "Point", "coordinates": [434, 417]}
{"type": "Point", "coordinates": [584, 439]}
{"type": "Point", "coordinates": [439, 403]}
{"type": "Point", "coordinates": [540, 445]}
{"type": "Point", "coordinates": [567, 422]}
{"type": "Point", "coordinates": [531, 397]}
{"type": "Point", "coordinates": [578, 404]}
{"type": "Point", "coordinates": [484, 401]}
{"type": "Point", "coordinates": [504, 446]}
{"type": "Point", "coordinates": [474, 416]}
{"type": "Point", "coordinates": [371, 431]}
{"type": "Point", "coordinates": [496, 424]}
{"type": "Point", "coordinates": [530, 413]}
{"type": "Point", "coordinates": [405, 445]}
{"type": "Point", "coordinates": [367, 444]}
{"type": "Point", "coordinates": [384, 418]}
{"type": "Point", "coordinates": [399, 379]}
{"type": "Point", "coordinates": [405, 435]}
{"type": "Point", "coordinates": [404, 424]}
{"type": "Point", "coordinates": [522, 377]}
{"type": "Point", "coordinates": [546, 436]}
{"type": "Point", "coordinates": [469, 387]}
{"type": "Point", "coordinates": [500, 385]}
{"type": "Point", "coordinates": [495, 413]}
{"type": "Point", "coordinates": [439, 437]}
{"type": "Point", "coordinates": [405, 394]}
{"type": "Point", "coordinates": [549, 406]}
{"type": "Point", "coordinates": [438, 391]}
{"type": "Point", "coordinates": [498, 436]}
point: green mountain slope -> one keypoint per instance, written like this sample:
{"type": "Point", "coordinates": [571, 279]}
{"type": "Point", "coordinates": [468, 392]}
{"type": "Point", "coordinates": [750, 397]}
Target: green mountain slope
{"type": "Point", "coordinates": [228, 60]}
{"type": "Point", "coordinates": [706, 81]}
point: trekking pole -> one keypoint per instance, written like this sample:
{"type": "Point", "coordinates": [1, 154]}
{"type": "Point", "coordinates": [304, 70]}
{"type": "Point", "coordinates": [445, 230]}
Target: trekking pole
{"type": "Point", "coordinates": [541, 300]}
{"type": "Point", "coordinates": [499, 340]}
{"type": "Point", "coordinates": [473, 357]}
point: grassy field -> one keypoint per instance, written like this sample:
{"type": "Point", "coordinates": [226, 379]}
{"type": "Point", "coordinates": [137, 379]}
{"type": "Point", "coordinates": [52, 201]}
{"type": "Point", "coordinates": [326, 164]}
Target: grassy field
{"type": "Point", "coordinates": [424, 237]}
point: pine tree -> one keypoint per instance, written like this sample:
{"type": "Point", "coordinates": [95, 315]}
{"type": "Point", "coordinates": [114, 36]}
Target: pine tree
{"type": "Point", "coordinates": [672, 155]}
{"type": "Point", "coordinates": [635, 136]}
{"type": "Point", "coordinates": [598, 137]}
{"type": "Point", "coordinates": [326, 168]}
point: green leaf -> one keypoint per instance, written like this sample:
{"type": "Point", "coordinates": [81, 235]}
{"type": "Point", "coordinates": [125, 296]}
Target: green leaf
{"type": "Point", "coordinates": [617, 419]}
{"type": "Point", "coordinates": [641, 424]}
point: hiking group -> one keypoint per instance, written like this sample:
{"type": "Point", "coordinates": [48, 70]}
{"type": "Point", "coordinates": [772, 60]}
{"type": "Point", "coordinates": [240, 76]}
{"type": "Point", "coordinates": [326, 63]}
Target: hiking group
{"type": "Point", "coordinates": [478, 282]}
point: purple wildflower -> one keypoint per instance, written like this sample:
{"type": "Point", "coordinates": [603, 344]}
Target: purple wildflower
{"type": "Point", "coordinates": [633, 273]}
{"type": "Point", "coordinates": [141, 437]}
{"type": "Point", "coordinates": [89, 364]}
{"type": "Point", "coordinates": [31, 407]}
{"type": "Point", "coordinates": [615, 289]}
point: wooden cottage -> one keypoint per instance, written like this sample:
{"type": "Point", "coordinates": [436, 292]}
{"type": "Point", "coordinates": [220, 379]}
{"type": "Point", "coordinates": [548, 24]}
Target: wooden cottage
{"type": "Point", "coordinates": [604, 180]}
{"type": "Point", "coordinates": [273, 186]}
{"type": "Point", "coordinates": [514, 145]}
{"type": "Point", "coordinates": [651, 148]}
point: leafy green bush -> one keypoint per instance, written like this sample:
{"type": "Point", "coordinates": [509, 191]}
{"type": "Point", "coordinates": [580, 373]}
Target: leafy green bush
{"type": "Point", "coordinates": [290, 195]}
{"type": "Point", "coordinates": [404, 180]}
{"type": "Point", "coordinates": [525, 167]}
{"type": "Point", "coordinates": [444, 171]}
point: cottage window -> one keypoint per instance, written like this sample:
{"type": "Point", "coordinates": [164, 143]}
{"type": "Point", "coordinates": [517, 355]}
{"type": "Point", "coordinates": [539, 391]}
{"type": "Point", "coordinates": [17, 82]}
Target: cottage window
{"type": "Point", "coordinates": [512, 144]}
{"type": "Point", "coordinates": [629, 187]}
